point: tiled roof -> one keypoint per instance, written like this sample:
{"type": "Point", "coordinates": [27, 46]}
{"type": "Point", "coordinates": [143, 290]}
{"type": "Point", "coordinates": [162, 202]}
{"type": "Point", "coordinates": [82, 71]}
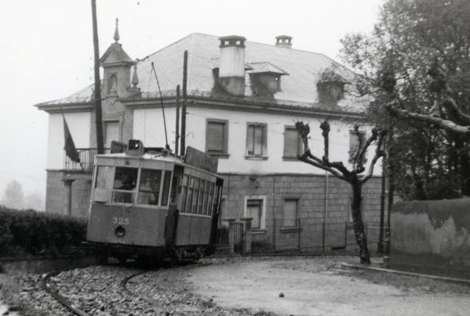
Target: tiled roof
{"type": "Point", "coordinates": [263, 67]}
{"type": "Point", "coordinates": [297, 88]}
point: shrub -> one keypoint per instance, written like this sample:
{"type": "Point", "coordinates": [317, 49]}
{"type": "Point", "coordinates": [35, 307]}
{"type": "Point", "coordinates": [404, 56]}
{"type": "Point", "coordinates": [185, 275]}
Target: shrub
{"type": "Point", "coordinates": [32, 233]}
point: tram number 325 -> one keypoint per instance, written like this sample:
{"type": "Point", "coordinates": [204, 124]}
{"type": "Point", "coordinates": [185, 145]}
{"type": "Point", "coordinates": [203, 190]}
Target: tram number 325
{"type": "Point", "coordinates": [121, 220]}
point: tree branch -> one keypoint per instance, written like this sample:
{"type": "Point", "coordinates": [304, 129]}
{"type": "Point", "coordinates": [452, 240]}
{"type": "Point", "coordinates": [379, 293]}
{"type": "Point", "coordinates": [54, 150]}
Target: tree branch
{"type": "Point", "coordinates": [325, 127]}
{"type": "Point", "coordinates": [379, 152]}
{"type": "Point", "coordinates": [443, 123]}
{"type": "Point", "coordinates": [316, 162]}
{"type": "Point", "coordinates": [336, 168]}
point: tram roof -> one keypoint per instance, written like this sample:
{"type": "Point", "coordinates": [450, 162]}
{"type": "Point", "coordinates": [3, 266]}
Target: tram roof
{"type": "Point", "coordinates": [145, 156]}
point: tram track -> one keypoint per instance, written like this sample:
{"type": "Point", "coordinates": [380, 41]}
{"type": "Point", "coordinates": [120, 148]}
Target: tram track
{"type": "Point", "coordinates": [116, 298]}
{"type": "Point", "coordinates": [48, 287]}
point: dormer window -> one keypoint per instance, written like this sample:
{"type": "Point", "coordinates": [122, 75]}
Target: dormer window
{"type": "Point", "coordinates": [330, 87]}
{"type": "Point", "coordinates": [265, 78]}
{"type": "Point", "coordinates": [112, 84]}
{"type": "Point", "coordinates": [270, 80]}
{"type": "Point", "coordinates": [330, 92]}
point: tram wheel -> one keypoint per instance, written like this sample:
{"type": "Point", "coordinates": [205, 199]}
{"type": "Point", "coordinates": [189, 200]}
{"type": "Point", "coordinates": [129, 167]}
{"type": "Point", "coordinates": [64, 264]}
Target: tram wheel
{"type": "Point", "coordinates": [199, 254]}
{"type": "Point", "coordinates": [178, 255]}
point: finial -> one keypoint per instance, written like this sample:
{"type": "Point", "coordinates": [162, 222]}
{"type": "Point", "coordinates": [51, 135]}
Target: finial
{"type": "Point", "coordinates": [116, 32]}
{"type": "Point", "coordinates": [135, 79]}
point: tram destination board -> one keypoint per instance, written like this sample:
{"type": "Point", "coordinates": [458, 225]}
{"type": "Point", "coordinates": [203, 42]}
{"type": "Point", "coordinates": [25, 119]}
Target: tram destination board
{"type": "Point", "coordinates": [201, 160]}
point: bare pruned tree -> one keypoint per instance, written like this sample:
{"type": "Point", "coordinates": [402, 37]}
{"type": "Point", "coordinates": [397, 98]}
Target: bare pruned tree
{"type": "Point", "coordinates": [356, 177]}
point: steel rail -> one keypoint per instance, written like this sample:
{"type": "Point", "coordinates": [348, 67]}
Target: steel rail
{"type": "Point", "coordinates": [55, 294]}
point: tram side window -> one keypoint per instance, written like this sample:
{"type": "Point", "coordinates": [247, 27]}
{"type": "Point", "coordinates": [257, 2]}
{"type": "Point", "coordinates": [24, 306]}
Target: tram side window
{"type": "Point", "coordinates": [149, 187]}
{"type": "Point", "coordinates": [124, 184]}
{"type": "Point", "coordinates": [205, 209]}
{"type": "Point", "coordinates": [166, 188]}
{"type": "Point", "coordinates": [195, 196]}
{"type": "Point", "coordinates": [200, 199]}
{"type": "Point", "coordinates": [184, 194]}
{"type": "Point", "coordinates": [189, 196]}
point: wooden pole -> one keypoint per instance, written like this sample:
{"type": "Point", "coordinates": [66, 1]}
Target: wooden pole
{"type": "Point", "coordinates": [98, 113]}
{"type": "Point", "coordinates": [183, 111]}
{"type": "Point", "coordinates": [177, 128]}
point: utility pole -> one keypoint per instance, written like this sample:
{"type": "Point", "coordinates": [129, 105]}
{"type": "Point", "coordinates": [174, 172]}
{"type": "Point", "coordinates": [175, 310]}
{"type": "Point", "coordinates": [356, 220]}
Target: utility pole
{"type": "Point", "coordinates": [183, 110]}
{"type": "Point", "coordinates": [98, 112]}
{"type": "Point", "coordinates": [177, 128]}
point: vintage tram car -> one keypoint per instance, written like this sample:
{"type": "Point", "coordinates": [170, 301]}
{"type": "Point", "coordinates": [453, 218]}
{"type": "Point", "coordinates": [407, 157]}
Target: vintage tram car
{"type": "Point", "coordinates": [149, 203]}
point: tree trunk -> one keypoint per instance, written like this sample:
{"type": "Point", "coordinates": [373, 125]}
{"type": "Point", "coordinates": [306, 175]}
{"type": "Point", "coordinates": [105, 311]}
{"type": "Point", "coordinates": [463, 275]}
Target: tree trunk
{"type": "Point", "coordinates": [358, 225]}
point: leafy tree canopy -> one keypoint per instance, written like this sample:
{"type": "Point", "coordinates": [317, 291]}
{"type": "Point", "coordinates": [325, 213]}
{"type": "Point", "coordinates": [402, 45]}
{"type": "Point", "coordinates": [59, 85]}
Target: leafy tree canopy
{"type": "Point", "coordinates": [416, 63]}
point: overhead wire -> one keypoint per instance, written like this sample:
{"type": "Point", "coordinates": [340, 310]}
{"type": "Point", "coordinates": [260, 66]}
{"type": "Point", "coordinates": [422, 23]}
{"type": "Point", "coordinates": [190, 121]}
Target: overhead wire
{"type": "Point", "coordinates": [167, 146]}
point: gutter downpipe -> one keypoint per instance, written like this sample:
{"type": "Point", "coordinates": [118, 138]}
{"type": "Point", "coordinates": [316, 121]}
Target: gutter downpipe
{"type": "Point", "coordinates": [325, 211]}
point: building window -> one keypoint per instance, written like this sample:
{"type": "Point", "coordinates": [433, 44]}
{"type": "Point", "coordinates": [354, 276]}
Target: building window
{"type": "Point", "coordinates": [255, 208]}
{"type": "Point", "coordinates": [290, 214]}
{"type": "Point", "coordinates": [111, 132]}
{"type": "Point", "coordinates": [256, 140]}
{"type": "Point", "coordinates": [293, 146]}
{"type": "Point", "coordinates": [217, 137]}
{"type": "Point", "coordinates": [356, 141]}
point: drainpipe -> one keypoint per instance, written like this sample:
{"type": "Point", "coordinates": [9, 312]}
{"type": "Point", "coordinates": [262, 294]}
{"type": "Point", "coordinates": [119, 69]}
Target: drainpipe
{"type": "Point", "coordinates": [325, 212]}
{"type": "Point", "coordinates": [274, 211]}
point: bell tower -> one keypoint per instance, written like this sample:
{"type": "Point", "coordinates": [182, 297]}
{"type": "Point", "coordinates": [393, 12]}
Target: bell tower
{"type": "Point", "coordinates": [117, 67]}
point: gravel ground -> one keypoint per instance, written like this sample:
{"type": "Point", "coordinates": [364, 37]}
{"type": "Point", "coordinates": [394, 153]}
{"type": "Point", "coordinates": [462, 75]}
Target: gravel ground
{"type": "Point", "coordinates": [241, 286]}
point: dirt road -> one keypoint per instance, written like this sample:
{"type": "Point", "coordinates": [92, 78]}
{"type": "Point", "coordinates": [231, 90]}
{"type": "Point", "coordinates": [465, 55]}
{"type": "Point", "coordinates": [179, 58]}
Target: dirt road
{"type": "Point", "coordinates": [319, 286]}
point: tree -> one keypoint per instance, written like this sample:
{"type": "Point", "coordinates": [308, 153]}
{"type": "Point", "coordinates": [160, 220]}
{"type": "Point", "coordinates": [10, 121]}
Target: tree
{"type": "Point", "coordinates": [416, 63]}
{"type": "Point", "coordinates": [34, 201]}
{"type": "Point", "coordinates": [354, 177]}
{"type": "Point", "coordinates": [13, 196]}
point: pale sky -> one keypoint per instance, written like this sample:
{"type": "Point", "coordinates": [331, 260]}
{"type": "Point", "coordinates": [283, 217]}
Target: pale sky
{"type": "Point", "coordinates": [46, 51]}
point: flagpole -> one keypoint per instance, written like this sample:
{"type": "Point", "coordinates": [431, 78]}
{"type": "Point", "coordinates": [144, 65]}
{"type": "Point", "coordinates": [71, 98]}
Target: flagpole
{"type": "Point", "coordinates": [98, 112]}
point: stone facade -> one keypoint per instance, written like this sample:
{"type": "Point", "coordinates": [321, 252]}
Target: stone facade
{"type": "Point", "coordinates": [56, 192]}
{"type": "Point", "coordinates": [323, 220]}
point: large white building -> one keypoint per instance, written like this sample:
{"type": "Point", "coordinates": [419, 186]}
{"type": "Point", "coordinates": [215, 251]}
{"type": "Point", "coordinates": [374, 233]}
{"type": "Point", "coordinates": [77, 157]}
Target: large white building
{"type": "Point", "coordinates": [243, 99]}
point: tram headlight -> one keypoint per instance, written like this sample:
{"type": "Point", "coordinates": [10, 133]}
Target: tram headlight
{"type": "Point", "coordinates": [120, 231]}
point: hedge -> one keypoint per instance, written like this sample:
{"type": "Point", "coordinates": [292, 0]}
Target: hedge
{"type": "Point", "coordinates": [31, 233]}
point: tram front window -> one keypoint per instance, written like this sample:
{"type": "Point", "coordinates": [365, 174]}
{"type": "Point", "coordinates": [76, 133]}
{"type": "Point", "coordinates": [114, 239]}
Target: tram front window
{"type": "Point", "coordinates": [149, 188]}
{"type": "Point", "coordinates": [124, 185]}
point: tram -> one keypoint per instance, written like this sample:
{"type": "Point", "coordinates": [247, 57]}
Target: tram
{"type": "Point", "coordinates": [149, 203]}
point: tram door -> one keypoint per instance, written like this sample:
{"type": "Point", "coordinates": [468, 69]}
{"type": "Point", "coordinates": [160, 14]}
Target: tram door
{"type": "Point", "coordinates": [171, 221]}
{"type": "Point", "coordinates": [215, 216]}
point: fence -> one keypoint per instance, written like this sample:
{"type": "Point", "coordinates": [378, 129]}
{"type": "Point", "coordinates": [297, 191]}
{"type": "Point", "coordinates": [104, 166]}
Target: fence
{"type": "Point", "coordinates": [309, 235]}
{"type": "Point", "coordinates": [306, 236]}
{"type": "Point", "coordinates": [87, 159]}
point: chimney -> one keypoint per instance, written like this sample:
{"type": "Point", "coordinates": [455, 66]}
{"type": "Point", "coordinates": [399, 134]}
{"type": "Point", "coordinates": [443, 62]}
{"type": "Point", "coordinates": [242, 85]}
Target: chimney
{"type": "Point", "coordinates": [232, 64]}
{"type": "Point", "coordinates": [284, 41]}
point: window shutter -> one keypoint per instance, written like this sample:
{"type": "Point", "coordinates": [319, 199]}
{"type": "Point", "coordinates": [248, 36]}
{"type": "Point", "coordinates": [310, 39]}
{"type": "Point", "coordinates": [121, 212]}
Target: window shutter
{"type": "Point", "coordinates": [215, 137]}
{"type": "Point", "coordinates": [291, 143]}
{"type": "Point", "coordinates": [290, 213]}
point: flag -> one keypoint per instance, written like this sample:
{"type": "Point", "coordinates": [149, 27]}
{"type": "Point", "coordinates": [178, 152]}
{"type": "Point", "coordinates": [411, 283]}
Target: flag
{"type": "Point", "coordinates": [69, 147]}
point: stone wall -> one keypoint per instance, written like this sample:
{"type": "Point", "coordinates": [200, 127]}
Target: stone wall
{"type": "Point", "coordinates": [432, 234]}
{"type": "Point", "coordinates": [323, 210]}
